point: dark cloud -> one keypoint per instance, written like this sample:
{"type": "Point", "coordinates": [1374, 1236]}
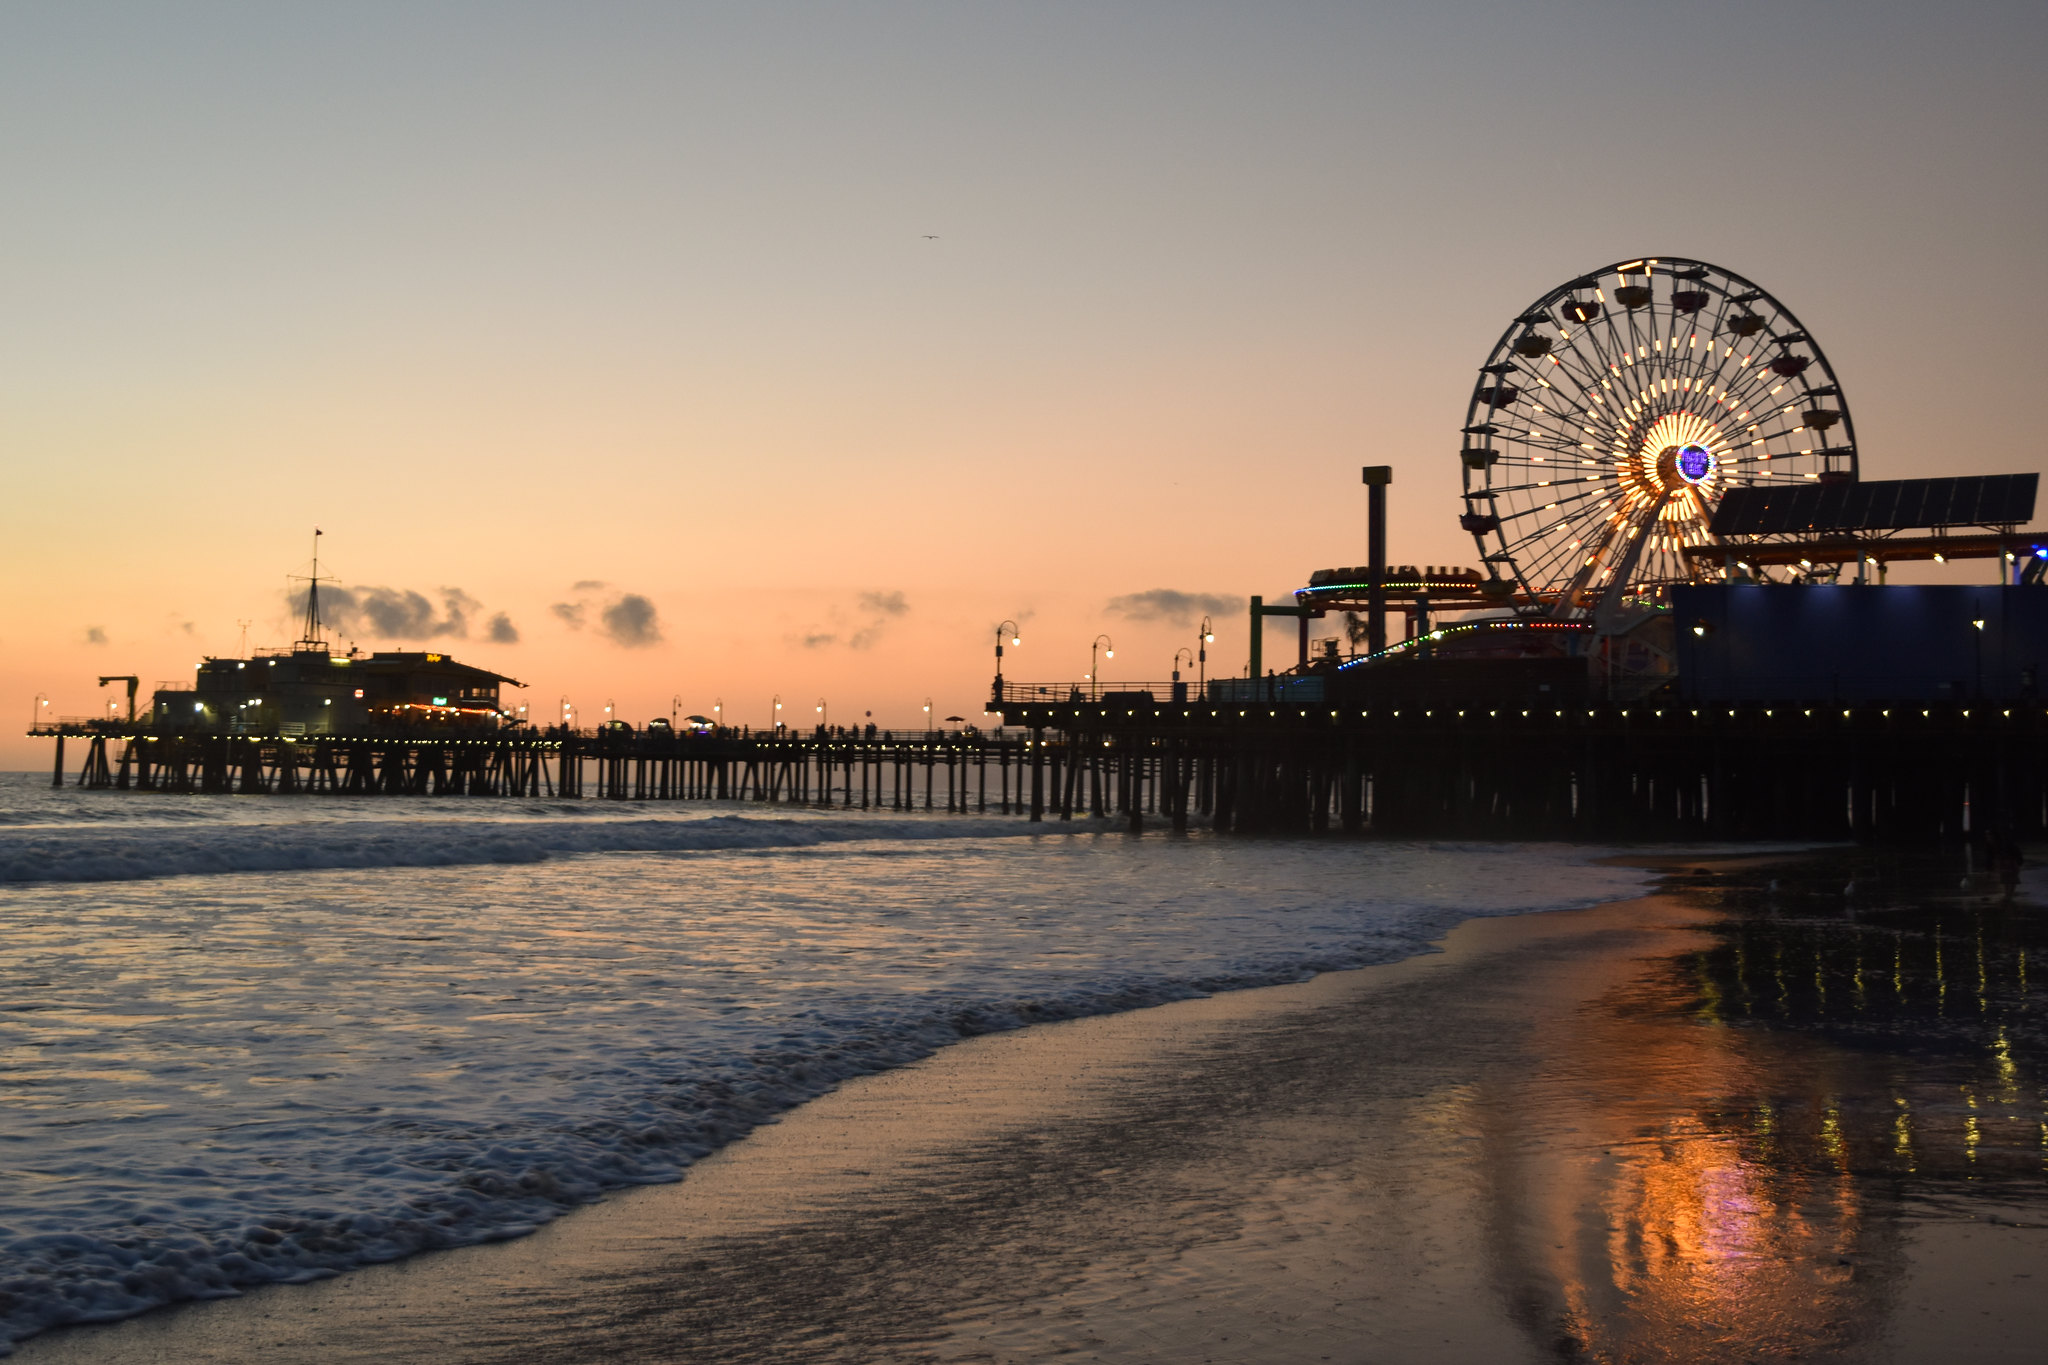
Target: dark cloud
{"type": "Point", "coordinates": [95, 635]}
{"type": "Point", "coordinates": [624, 618]}
{"type": "Point", "coordinates": [631, 621]}
{"type": "Point", "coordinates": [819, 640]}
{"type": "Point", "coordinates": [501, 631]}
{"type": "Point", "coordinates": [391, 613]}
{"type": "Point", "coordinates": [1173, 607]}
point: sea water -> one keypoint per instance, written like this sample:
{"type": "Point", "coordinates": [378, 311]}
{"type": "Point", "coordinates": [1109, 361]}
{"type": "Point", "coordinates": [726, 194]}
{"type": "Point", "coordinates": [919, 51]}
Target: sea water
{"type": "Point", "coordinates": [262, 1039]}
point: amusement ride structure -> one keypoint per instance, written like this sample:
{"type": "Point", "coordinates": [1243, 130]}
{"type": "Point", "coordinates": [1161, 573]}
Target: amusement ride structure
{"type": "Point", "coordinates": [1656, 423]}
{"type": "Point", "coordinates": [1615, 412]}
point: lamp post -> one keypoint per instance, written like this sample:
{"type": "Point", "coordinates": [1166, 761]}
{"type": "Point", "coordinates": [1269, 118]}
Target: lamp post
{"type": "Point", "coordinates": [1012, 629]}
{"type": "Point", "coordinates": [42, 705]}
{"type": "Point", "coordinates": [609, 707]}
{"type": "Point", "coordinates": [1202, 644]}
{"type": "Point", "coordinates": [1179, 688]}
{"type": "Point", "coordinates": [824, 715]}
{"type": "Point", "coordinates": [927, 715]}
{"type": "Point", "coordinates": [778, 713]}
{"type": "Point", "coordinates": [675, 710]}
{"type": "Point", "coordinates": [718, 714]}
{"type": "Point", "coordinates": [568, 713]}
{"type": "Point", "coordinates": [1100, 642]}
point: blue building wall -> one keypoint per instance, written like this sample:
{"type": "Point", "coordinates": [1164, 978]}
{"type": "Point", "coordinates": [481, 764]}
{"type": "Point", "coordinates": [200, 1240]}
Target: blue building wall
{"type": "Point", "coordinates": [1754, 642]}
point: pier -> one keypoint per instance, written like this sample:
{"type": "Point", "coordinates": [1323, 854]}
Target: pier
{"type": "Point", "coordinates": [1284, 766]}
{"type": "Point", "coordinates": [889, 770]}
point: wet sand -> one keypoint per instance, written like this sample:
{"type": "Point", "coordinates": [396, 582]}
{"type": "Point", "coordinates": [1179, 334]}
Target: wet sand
{"type": "Point", "coordinates": [1712, 1126]}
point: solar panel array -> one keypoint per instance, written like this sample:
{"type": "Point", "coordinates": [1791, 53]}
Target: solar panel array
{"type": "Point", "coordinates": [1877, 505]}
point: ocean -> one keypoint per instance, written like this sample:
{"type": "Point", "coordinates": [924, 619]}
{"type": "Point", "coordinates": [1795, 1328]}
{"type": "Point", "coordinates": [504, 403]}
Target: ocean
{"type": "Point", "coordinates": [265, 1039]}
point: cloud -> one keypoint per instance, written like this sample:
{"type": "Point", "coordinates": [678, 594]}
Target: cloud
{"type": "Point", "coordinates": [631, 621]}
{"type": "Point", "coordinates": [95, 635]}
{"type": "Point", "coordinates": [625, 618]}
{"type": "Point", "coordinates": [874, 611]}
{"type": "Point", "coordinates": [501, 631]}
{"type": "Point", "coordinates": [1172, 607]}
{"type": "Point", "coordinates": [884, 603]}
{"type": "Point", "coordinates": [378, 613]}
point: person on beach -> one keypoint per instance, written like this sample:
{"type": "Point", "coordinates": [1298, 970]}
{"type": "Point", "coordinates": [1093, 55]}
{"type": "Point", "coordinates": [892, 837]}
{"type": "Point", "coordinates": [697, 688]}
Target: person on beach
{"type": "Point", "coordinates": [2005, 863]}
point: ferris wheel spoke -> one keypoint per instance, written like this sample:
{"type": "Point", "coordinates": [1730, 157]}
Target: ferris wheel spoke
{"type": "Point", "coordinates": [1544, 510]}
{"type": "Point", "coordinates": [1555, 435]}
{"type": "Point", "coordinates": [1554, 483]}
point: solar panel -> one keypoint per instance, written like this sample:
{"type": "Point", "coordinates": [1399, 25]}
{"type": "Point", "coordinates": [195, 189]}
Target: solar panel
{"type": "Point", "coordinates": [1878, 505]}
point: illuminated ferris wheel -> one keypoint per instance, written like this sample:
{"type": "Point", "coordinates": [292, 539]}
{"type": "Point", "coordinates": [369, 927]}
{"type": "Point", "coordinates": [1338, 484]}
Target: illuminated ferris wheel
{"type": "Point", "coordinates": [1615, 411]}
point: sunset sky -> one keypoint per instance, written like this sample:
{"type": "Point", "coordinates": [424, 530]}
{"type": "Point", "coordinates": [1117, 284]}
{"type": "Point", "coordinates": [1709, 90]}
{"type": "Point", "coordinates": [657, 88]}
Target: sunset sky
{"type": "Point", "coordinates": [726, 351]}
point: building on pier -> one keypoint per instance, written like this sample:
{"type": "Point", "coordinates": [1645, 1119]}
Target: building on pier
{"type": "Point", "coordinates": [309, 691]}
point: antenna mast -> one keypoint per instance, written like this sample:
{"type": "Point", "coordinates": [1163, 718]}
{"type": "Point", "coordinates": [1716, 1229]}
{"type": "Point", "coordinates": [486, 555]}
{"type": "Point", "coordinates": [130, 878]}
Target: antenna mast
{"type": "Point", "coordinates": [311, 641]}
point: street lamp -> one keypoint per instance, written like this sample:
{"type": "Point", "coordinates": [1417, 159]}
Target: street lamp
{"type": "Point", "coordinates": [1202, 655]}
{"type": "Point", "coordinates": [609, 707]}
{"type": "Point", "coordinates": [824, 715]}
{"type": "Point", "coordinates": [1100, 642]}
{"type": "Point", "coordinates": [1012, 629]}
{"type": "Point", "coordinates": [35, 717]}
{"type": "Point", "coordinates": [1178, 695]}
{"type": "Point", "coordinates": [568, 713]}
{"type": "Point", "coordinates": [927, 715]}
{"type": "Point", "coordinates": [718, 713]}
{"type": "Point", "coordinates": [675, 710]}
{"type": "Point", "coordinates": [778, 713]}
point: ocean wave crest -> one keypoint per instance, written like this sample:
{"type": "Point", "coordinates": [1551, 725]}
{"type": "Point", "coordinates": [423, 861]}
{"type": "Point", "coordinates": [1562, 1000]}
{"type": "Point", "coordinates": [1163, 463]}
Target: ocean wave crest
{"type": "Point", "coordinates": [131, 853]}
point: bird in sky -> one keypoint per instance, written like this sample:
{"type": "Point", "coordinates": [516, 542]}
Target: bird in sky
{"type": "Point", "coordinates": [931, 236]}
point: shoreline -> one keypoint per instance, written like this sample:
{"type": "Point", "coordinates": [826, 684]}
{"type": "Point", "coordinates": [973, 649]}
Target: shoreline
{"type": "Point", "coordinates": [1139, 1185]}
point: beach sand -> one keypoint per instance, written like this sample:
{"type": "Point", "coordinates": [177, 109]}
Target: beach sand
{"type": "Point", "coordinates": [1592, 1135]}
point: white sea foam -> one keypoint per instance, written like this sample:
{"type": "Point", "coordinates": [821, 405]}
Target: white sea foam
{"type": "Point", "coordinates": [223, 1081]}
{"type": "Point", "coordinates": [45, 853]}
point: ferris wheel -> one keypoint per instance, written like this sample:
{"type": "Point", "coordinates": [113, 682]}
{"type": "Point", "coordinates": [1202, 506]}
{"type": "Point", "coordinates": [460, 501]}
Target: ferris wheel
{"type": "Point", "coordinates": [1615, 411]}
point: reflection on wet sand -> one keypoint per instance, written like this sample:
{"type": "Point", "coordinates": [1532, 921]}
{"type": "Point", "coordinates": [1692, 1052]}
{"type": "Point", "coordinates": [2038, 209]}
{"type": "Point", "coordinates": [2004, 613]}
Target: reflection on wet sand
{"type": "Point", "coordinates": [1750, 1122]}
{"type": "Point", "coordinates": [1726, 1125]}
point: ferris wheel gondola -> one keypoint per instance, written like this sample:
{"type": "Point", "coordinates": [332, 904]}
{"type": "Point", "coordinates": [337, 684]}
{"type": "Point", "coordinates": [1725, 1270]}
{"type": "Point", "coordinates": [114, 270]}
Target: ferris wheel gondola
{"type": "Point", "coordinates": [1617, 409]}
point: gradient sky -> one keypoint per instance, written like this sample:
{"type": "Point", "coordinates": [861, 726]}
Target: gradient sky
{"type": "Point", "coordinates": [511, 298]}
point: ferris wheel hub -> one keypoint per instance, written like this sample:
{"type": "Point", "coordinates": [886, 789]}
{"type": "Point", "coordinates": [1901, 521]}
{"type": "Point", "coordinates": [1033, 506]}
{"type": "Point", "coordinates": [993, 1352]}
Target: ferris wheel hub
{"type": "Point", "coordinates": [1685, 466]}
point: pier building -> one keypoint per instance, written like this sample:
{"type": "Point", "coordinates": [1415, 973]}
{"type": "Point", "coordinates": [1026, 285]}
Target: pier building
{"type": "Point", "coordinates": [309, 691]}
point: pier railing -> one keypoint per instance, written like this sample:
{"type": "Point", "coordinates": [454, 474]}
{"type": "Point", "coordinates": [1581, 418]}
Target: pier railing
{"type": "Point", "coordinates": [1180, 693]}
{"type": "Point", "coordinates": [1292, 688]}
